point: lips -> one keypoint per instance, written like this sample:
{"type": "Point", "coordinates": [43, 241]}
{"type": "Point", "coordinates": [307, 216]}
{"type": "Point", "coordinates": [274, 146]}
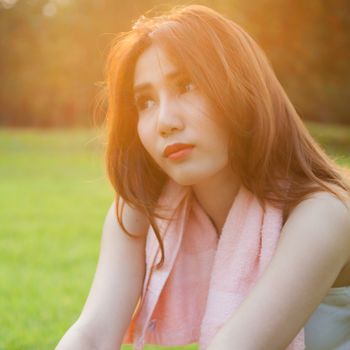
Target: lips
{"type": "Point", "coordinates": [175, 148]}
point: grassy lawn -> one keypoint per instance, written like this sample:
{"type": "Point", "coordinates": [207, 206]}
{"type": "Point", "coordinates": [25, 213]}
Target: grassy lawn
{"type": "Point", "coordinates": [54, 196]}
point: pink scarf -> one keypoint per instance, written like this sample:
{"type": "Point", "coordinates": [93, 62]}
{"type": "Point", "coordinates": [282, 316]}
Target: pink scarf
{"type": "Point", "coordinates": [204, 279]}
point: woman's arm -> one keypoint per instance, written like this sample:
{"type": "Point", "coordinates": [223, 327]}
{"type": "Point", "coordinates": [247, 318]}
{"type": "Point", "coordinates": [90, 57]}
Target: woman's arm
{"type": "Point", "coordinates": [313, 248]}
{"type": "Point", "coordinates": [76, 338]}
{"type": "Point", "coordinates": [116, 287]}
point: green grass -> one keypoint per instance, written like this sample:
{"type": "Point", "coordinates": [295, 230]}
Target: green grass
{"type": "Point", "coordinates": [54, 196]}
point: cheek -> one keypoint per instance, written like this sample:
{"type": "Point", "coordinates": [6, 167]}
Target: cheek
{"type": "Point", "coordinates": [217, 137]}
{"type": "Point", "coordinates": [145, 137]}
{"type": "Point", "coordinates": [142, 133]}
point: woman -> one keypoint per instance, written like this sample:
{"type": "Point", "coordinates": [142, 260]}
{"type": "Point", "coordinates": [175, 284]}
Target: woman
{"type": "Point", "coordinates": [203, 146]}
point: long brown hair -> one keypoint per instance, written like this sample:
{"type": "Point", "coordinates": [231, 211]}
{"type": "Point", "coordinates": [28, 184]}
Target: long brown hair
{"type": "Point", "coordinates": [270, 144]}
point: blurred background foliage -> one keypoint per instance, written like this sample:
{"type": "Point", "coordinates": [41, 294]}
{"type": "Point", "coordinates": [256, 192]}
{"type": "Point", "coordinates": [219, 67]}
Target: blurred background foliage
{"type": "Point", "coordinates": [54, 188]}
{"type": "Point", "coordinates": [53, 53]}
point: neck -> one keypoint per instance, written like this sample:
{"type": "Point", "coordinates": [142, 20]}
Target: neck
{"type": "Point", "coordinates": [216, 196]}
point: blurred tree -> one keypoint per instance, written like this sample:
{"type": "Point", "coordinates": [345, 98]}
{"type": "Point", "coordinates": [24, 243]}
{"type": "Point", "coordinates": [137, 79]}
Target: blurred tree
{"type": "Point", "coordinates": [53, 53]}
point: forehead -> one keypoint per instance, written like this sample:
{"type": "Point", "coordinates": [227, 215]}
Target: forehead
{"type": "Point", "coordinates": [153, 65]}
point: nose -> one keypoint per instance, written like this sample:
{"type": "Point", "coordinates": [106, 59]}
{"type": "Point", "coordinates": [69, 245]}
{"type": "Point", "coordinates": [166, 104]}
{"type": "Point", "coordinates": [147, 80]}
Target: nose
{"type": "Point", "coordinates": [169, 117]}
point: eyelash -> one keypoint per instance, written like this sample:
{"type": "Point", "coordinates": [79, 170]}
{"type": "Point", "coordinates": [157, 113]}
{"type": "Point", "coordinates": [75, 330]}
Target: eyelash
{"type": "Point", "coordinates": [140, 101]}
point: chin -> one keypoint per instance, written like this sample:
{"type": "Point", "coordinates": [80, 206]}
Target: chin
{"type": "Point", "coordinates": [191, 175]}
{"type": "Point", "coordinates": [186, 180]}
{"type": "Point", "coordinates": [183, 180]}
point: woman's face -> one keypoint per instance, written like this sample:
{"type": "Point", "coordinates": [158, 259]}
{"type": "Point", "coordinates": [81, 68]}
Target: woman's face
{"type": "Point", "coordinates": [171, 110]}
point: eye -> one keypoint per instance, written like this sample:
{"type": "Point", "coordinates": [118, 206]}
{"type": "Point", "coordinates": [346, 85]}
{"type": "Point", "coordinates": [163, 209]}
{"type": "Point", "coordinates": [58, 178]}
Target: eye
{"type": "Point", "coordinates": [143, 102]}
{"type": "Point", "coordinates": [185, 85]}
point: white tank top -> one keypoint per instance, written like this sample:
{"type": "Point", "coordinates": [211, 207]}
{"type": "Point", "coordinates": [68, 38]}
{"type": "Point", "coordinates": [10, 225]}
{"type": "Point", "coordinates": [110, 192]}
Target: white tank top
{"type": "Point", "coordinates": [328, 328]}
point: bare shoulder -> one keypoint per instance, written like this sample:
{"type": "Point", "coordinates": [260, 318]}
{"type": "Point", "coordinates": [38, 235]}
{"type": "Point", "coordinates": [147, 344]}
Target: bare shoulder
{"type": "Point", "coordinates": [313, 247]}
{"type": "Point", "coordinates": [329, 198]}
{"type": "Point", "coordinates": [323, 202]}
{"type": "Point", "coordinates": [323, 216]}
{"type": "Point", "coordinates": [135, 221]}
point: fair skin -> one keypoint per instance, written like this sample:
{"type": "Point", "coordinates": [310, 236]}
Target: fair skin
{"type": "Point", "coordinates": [310, 258]}
{"type": "Point", "coordinates": [116, 286]}
{"type": "Point", "coordinates": [172, 110]}
{"type": "Point", "coordinates": [314, 249]}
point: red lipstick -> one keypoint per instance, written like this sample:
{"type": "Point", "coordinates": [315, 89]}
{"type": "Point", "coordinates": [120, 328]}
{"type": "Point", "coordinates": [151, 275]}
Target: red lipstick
{"type": "Point", "coordinates": [177, 150]}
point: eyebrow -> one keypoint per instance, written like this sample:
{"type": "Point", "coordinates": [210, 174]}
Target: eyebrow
{"type": "Point", "coordinates": [144, 86]}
